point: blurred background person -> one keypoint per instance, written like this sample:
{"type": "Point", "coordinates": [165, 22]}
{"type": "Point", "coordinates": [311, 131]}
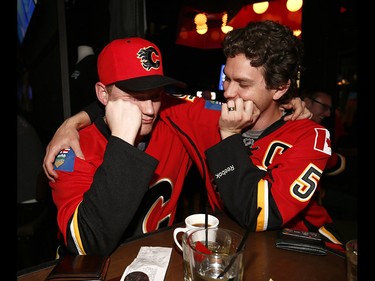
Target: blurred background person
{"type": "Point", "coordinates": [340, 203]}
{"type": "Point", "coordinates": [319, 103]}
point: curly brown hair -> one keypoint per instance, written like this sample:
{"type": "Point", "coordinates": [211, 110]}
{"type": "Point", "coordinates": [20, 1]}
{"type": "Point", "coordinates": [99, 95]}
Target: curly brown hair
{"type": "Point", "coordinates": [273, 47]}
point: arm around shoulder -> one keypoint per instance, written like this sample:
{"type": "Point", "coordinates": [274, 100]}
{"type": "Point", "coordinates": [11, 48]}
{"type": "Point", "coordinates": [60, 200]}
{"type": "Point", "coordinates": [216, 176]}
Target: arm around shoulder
{"type": "Point", "coordinates": [66, 136]}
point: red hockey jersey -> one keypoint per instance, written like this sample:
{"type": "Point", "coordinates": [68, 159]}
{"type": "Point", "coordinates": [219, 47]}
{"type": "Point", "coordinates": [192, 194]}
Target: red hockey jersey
{"type": "Point", "coordinates": [279, 172]}
{"type": "Point", "coordinates": [97, 198]}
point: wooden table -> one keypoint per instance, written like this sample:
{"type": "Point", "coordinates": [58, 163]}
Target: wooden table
{"type": "Point", "coordinates": [263, 260]}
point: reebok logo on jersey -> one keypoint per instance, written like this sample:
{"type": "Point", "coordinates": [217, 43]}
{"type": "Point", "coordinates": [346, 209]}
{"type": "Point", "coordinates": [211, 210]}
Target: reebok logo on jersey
{"type": "Point", "coordinates": [322, 141]}
{"type": "Point", "coordinates": [224, 172]}
{"type": "Point", "coordinates": [65, 160]}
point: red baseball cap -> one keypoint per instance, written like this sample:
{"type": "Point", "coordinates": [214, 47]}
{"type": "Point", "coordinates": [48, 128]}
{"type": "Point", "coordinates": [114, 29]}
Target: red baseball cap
{"type": "Point", "coordinates": [133, 64]}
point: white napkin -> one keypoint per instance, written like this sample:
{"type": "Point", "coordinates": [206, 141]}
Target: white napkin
{"type": "Point", "coordinates": [151, 260]}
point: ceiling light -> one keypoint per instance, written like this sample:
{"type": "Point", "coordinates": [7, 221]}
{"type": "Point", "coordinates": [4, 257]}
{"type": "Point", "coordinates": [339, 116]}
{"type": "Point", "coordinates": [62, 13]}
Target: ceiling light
{"type": "Point", "coordinates": [261, 7]}
{"type": "Point", "coordinates": [294, 5]}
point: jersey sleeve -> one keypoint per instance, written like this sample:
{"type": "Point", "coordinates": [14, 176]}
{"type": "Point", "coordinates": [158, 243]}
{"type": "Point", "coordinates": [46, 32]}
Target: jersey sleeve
{"type": "Point", "coordinates": [195, 121]}
{"type": "Point", "coordinates": [97, 200]}
{"type": "Point", "coordinates": [279, 174]}
{"type": "Point", "coordinates": [336, 164]}
{"type": "Point", "coordinates": [236, 177]}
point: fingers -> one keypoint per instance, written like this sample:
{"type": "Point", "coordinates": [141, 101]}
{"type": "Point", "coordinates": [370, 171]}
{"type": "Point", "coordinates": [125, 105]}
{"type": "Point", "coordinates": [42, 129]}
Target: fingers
{"type": "Point", "coordinates": [240, 109]}
{"type": "Point", "coordinates": [53, 150]}
{"type": "Point", "coordinates": [252, 111]}
{"type": "Point", "coordinates": [77, 148]}
{"type": "Point", "coordinates": [66, 136]}
{"type": "Point", "coordinates": [299, 113]}
{"type": "Point", "coordinates": [231, 105]}
{"type": "Point", "coordinates": [51, 153]}
{"type": "Point", "coordinates": [306, 114]}
{"type": "Point", "coordinates": [236, 105]}
{"type": "Point", "coordinates": [48, 160]}
{"type": "Point", "coordinates": [300, 110]}
{"type": "Point", "coordinates": [237, 115]}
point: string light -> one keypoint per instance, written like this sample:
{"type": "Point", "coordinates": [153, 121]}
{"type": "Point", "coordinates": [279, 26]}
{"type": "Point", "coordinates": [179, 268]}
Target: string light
{"type": "Point", "coordinates": [202, 29]}
{"type": "Point", "coordinates": [297, 32]}
{"type": "Point", "coordinates": [200, 19]}
{"type": "Point", "coordinates": [224, 27]}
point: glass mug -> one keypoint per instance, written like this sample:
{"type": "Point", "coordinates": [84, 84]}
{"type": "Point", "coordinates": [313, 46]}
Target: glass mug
{"type": "Point", "coordinates": [192, 223]}
{"type": "Point", "coordinates": [214, 252]}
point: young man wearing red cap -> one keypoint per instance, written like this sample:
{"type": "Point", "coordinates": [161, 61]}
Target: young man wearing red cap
{"type": "Point", "coordinates": [137, 155]}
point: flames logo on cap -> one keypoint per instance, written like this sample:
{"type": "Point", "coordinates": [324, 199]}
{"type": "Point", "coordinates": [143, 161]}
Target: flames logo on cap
{"type": "Point", "coordinates": [149, 58]}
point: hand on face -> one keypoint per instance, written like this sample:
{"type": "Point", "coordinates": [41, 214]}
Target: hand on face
{"type": "Point", "coordinates": [236, 115]}
{"type": "Point", "coordinates": [124, 118]}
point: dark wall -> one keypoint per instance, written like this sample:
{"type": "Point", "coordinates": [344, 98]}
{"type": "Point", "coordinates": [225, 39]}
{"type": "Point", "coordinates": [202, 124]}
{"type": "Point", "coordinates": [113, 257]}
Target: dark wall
{"type": "Point", "coordinates": [319, 34]}
{"type": "Point", "coordinates": [39, 71]}
{"type": "Point", "coordinates": [328, 35]}
{"type": "Point", "coordinates": [329, 31]}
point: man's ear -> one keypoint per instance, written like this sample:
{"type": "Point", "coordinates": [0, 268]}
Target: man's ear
{"type": "Point", "coordinates": [101, 93]}
{"type": "Point", "coordinates": [281, 91]}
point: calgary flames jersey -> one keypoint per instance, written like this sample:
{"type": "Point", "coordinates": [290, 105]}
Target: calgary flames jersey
{"type": "Point", "coordinates": [119, 191]}
{"type": "Point", "coordinates": [279, 172]}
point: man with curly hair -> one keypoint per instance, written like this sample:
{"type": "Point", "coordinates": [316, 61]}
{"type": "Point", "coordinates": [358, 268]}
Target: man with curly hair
{"type": "Point", "coordinates": [262, 160]}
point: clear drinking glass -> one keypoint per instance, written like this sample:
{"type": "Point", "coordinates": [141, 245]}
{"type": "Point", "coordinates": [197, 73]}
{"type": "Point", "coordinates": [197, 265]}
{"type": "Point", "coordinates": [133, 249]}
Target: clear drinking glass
{"type": "Point", "coordinates": [208, 264]}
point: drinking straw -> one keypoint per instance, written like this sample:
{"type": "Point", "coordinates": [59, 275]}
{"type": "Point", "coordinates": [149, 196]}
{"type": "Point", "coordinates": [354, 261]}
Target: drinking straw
{"type": "Point", "coordinates": [206, 227]}
{"type": "Point", "coordinates": [242, 243]}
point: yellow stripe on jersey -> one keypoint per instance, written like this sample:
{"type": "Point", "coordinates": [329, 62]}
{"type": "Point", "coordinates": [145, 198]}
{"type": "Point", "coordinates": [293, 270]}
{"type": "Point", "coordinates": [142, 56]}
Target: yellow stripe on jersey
{"type": "Point", "coordinates": [74, 229]}
{"type": "Point", "coordinates": [341, 168]}
{"type": "Point", "coordinates": [329, 235]}
{"type": "Point", "coordinates": [261, 224]}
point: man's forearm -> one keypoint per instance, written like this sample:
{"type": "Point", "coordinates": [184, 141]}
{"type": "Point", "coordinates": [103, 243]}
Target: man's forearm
{"type": "Point", "coordinates": [79, 120]}
{"type": "Point", "coordinates": [85, 117]}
